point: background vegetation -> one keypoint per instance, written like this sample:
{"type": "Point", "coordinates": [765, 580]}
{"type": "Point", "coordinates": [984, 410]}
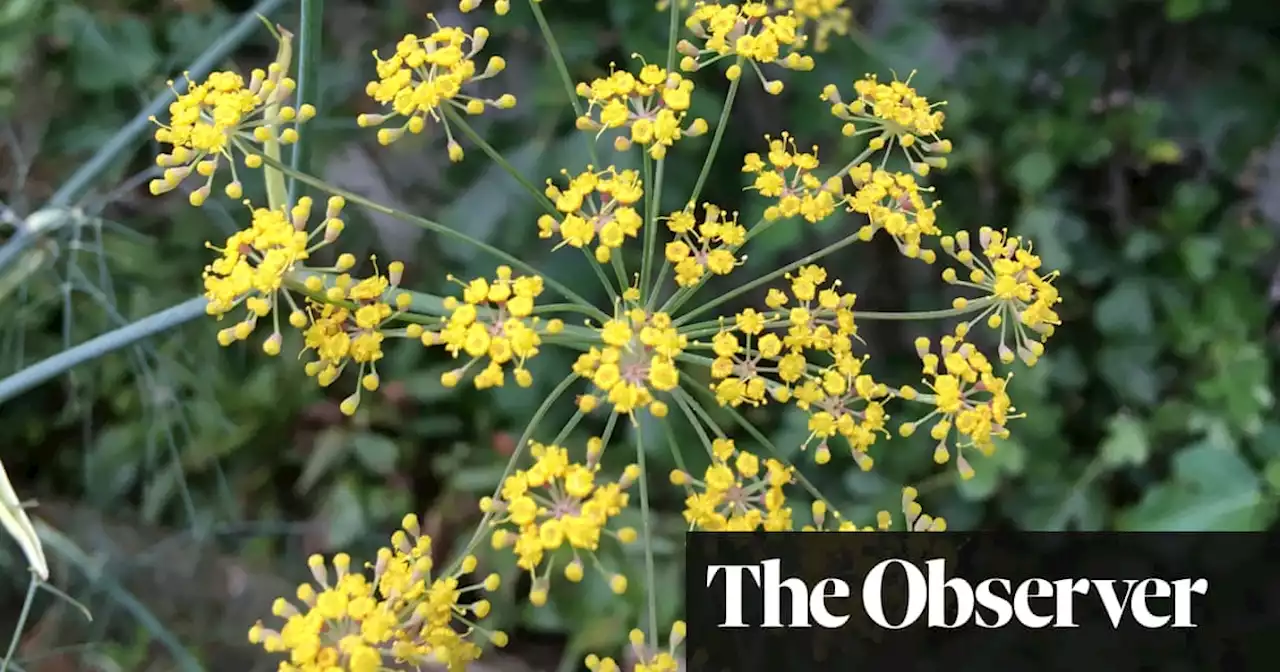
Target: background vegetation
{"type": "Point", "coordinates": [181, 483]}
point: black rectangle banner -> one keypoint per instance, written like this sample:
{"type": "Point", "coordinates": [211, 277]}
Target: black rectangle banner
{"type": "Point", "coordinates": [989, 602]}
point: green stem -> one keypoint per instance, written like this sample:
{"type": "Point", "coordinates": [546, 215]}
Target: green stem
{"type": "Point", "coordinates": [511, 465]}
{"type": "Point", "coordinates": [646, 515]}
{"type": "Point", "coordinates": [682, 402]}
{"type": "Point", "coordinates": [653, 195]}
{"type": "Point", "coordinates": [309, 40]}
{"type": "Point", "coordinates": [557, 57]}
{"type": "Point", "coordinates": [111, 341]}
{"type": "Point", "coordinates": [277, 193]}
{"type": "Point", "coordinates": [738, 291]}
{"type": "Point", "coordinates": [22, 622]}
{"type": "Point", "coordinates": [441, 229]}
{"type": "Point", "coordinates": [673, 29]}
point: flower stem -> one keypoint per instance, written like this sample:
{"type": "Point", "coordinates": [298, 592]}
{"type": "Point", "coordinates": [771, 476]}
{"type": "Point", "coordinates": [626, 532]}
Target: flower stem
{"type": "Point", "coordinates": [441, 229]}
{"type": "Point", "coordinates": [511, 465]}
{"type": "Point", "coordinates": [557, 57]}
{"type": "Point", "coordinates": [708, 327]}
{"type": "Point", "coordinates": [646, 516]}
{"type": "Point", "coordinates": [653, 193]}
{"type": "Point", "coordinates": [22, 622]}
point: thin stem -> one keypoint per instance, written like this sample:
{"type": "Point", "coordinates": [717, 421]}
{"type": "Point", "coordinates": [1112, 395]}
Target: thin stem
{"type": "Point", "coordinates": [738, 291]}
{"type": "Point", "coordinates": [557, 57]}
{"type": "Point", "coordinates": [442, 230]}
{"type": "Point", "coordinates": [708, 327]}
{"type": "Point", "coordinates": [646, 515]}
{"type": "Point", "coordinates": [673, 29]}
{"type": "Point", "coordinates": [511, 465]}
{"type": "Point", "coordinates": [682, 402]}
{"type": "Point", "coordinates": [653, 193]}
{"type": "Point", "coordinates": [309, 40]}
{"type": "Point", "coordinates": [22, 622]}
{"type": "Point", "coordinates": [111, 341]}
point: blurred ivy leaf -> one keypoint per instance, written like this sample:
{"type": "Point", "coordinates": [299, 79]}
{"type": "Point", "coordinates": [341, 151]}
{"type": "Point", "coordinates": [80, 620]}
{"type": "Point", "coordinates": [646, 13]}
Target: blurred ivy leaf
{"type": "Point", "coordinates": [1126, 442]}
{"type": "Point", "coordinates": [107, 54]}
{"type": "Point", "coordinates": [1200, 255]}
{"type": "Point", "coordinates": [1008, 457]}
{"type": "Point", "coordinates": [376, 452]}
{"type": "Point", "coordinates": [1126, 309]}
{"type": "Point", "coordinates": [1212, 489]}
{"type": "Point", "coordinates": [191, 33]}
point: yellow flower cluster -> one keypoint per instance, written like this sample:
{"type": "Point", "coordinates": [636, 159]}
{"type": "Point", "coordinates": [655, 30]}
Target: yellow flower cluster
{"type": "Point", "coordinates": [707, 246]}
{"type": "Point", "coordinates": [595, 207]}
{"type": "Point", "coordinates": [898, 114]}
{"type": "Point", "coordinates": [494, 321]}
{"type": "Point", "coordinates": [788, 179]}
{"type": "Point", "coordinates": [820, 19]}
{"type": "Point", "coordinates": [559, 503]}
{"type": "Point", "coordinates": [1007, 272]}
{"type": "Point", "coordinates": [427, 73]}
{"type": "Point", "coordinates": [893, 202]}
{"type": "Point", "coordinates": [219, 117]}
{"type": "Point", "coordinates": [349, 325]}
{"type": "Point", "coordinates": [747, 32]}
{"type": "Point", "coordinates": [738, 492]}
{"type": "Point", "coordinates": [967, 397]}
{"type": "Point", "coordinates": [255, 262]}
{"type": "Point", "coordinates": [636, 357]}
{"type": "Point", "coordinates": [403, 614]}
{"type": "Point", "coordinates": [648, 658]}
{"type": "Point", "coordinates": [651, 107]}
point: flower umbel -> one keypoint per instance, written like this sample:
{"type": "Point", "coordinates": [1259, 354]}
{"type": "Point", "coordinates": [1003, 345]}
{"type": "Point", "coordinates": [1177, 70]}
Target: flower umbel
{"type": "Point", "coordinates": [709, 245]}
{"type": "Point", "coordinates": [596, 207]}
{"type": "Point", "coordinates": [894, 202]}
{"type": "Point", "coordinates": [1023, 300]}
{"type": "Point", "coordinates": [215, 119]}
{"type": "Point", "coordinates": [405, 613]}
{"type": "Point", "coordinates": [427, 73]}
{"type": "Point", "coordinates": [789, 181]}
{"type": "Point", "coordinates": [747, 32]}
{"type": "Point", "coordinates": [559, 503]}
{"type": "Point", "coordinates": [739, 492]}
{"type": "Point", "coordinates": [647, 656]}
{"type": "Point", "coordinates": [636, 358]}
{"type": "Point", "coordinates": [899, 115]}
{"type": "Point", "coordinates": [651, 107]}
{"type": "Point", "coordinates": [494, 321]}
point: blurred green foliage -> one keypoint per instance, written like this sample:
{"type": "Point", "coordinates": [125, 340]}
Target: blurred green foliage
{"type": "Point", "coordinates": [1135, 141]}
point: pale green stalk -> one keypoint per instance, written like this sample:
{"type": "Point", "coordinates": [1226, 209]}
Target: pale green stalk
{"type": "Point", "coordinates": [557, 57]}
{"type": "Point", "coordinates": [646, 517]}
{"type": "Point", "coordinates": [709, 327]}
{"type": "Point", "coordinates": [277, 192]}
{"type": "Point", "coordinates": [111, 341]}
{"type": "Point", "coordinates": [22, 623]}
{"type": "Point", "coordinates": [655, 184]}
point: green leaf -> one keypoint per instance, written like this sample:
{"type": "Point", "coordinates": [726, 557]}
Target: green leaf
{"type": "Point", "coordinates": [111, 54]}
{"type": "Point", "coordinates": [376, 452]}
{"type": "Point", "coordinates": [1212, 489]}
{"type": "Point", "coordinates": [1008, 457]}
{"type": "Point", "coordinates": [1126, 442]}
{"type": "Point", "coordinates": [344, 514]}
{"type": "Point", "coordinates": [1126, 309]}
{"type": "Point", "coordinates": [1182, 10]}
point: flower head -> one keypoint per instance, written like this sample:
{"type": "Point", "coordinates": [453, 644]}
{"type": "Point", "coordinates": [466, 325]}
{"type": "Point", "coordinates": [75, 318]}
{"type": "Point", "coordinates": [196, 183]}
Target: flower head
{"type": "Point", "coordinates": [635, 358]}
{"type": "Point", "coordinates": [427, 73]}
{"type": "Point", "coordinates": [968, 400]}
{"type": "Point", "coordinates": [349, 326]}
{"type": "Point", "coordinates": [738, 492]}
{"type": "Point", "coordinates": [405, 612]}
{"type": "Point", "coordinates": [1021, 299]}
{"type": "Point", "coordinates": [895, 203]}
{"type": "Point", "coordinates": [651, 107]}
{"type": "Point", "coordinates": [788, 180]}
{"type": "Point", "coordinates": [898, 114]}
{"type": "Point", "coordinates": [699, 247]}
{"type": "Point", "coordinates": [819, 19]}
{"type": "Point", "coordinates": [557, 503]}
{"type": "Point", "coordinates": [596, 208]}
{"type": "Point", "coordinates": [254, 263]}
{"type": "Point", "coordinates": [215, 119]}
{"type": "Point", "coordinates": [748, 32]}
{"type": "Point", "coordinates": [647, 655]}
{"type": "Point", "coordinates": [493, 322]}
